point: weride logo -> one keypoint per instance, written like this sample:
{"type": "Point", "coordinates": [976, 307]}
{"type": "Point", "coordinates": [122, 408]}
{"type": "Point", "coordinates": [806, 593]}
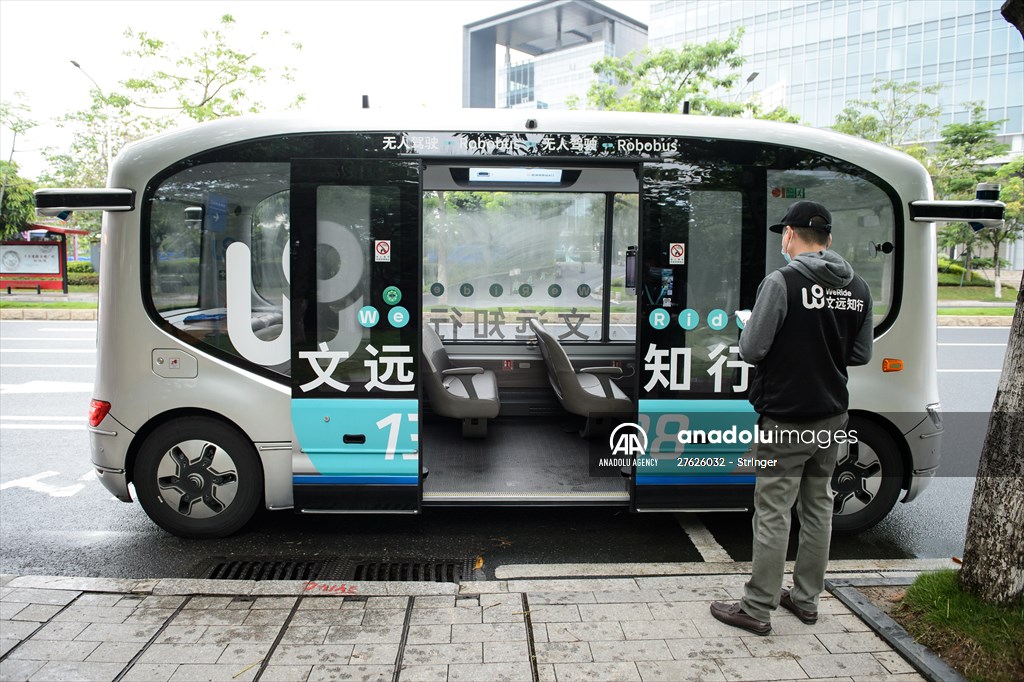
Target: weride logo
{"type": "Point", "coordinates": [817, 297]}
{"type": "Point", "coordinates": [833, 299]}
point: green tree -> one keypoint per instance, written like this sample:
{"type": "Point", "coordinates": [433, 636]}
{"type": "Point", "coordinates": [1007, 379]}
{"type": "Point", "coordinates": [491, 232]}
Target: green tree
{"type": "Point", "coordinates": [208, 84]}
{"type": "Point", "coordinates": [892, 115]}
{"type": "Point", "coordinates": [1010, 177]}
{"type": "Point", "coordinates": [661, 81]}
{"type": "Point", "coordinates": [215, 81]}
{"type": "Point", "coordinates": [961, 161]}
{"type": "Point", "coordinates": [15, 117]}
{"type": "Point", "coordinates": [18, 209]}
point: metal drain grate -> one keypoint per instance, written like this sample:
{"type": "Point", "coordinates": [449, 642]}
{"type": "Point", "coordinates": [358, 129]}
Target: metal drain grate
{"type": "Point", "coordinates": [338, 568]}
{"type": "Point", "coordinates": [270, 569]}
{"type": "Point", "coordinates": [412, 571]}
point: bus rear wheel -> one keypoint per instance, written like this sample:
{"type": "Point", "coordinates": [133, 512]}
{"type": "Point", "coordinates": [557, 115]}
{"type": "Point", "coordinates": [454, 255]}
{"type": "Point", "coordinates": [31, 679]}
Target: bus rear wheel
{"type": "Point", "coordinates": [867, 479]}
{"type": "Point", "coordinates": [198, 478]}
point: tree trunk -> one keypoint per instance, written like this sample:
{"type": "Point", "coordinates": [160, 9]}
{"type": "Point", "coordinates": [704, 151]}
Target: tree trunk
{"type": "Point", "coordinates": [993, 567]}
{"type": "Point", "coordinates": [998, 281]}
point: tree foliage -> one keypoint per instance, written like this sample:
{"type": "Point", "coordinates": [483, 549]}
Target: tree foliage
{"type": "Point", "coordinates": [208, 84]}
{"type": "Point", "coordinates": [1010, 177]}
{"type": "Point", "coordinates": [961, 154]}
{"type": "Point", "coordinates": [215, 81]}
{"type": "Point", "coordinates": [662, 80]}
{"type": "Point", "coordinates": [16, 204]}
{"type": "Point", "coordinates": [18, 209]}
{"type": "Point", "coordinates": [958, 166]}
{"type": "Point", "coordinates": [891, 115]}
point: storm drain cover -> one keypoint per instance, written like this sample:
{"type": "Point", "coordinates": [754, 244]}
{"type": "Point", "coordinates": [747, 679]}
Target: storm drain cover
{"type": "Point", "coordinates": [339, 568]}
{"type": "Point", "coordinates": [413, 571]}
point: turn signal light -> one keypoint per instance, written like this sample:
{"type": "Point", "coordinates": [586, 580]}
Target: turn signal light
{"type": "Point", "coordinates": [98, 410]}
{"type": "Point", "coordinates": [892, 365]}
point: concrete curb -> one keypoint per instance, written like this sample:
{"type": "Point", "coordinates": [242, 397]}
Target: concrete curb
{"type": "Point", "coordinates": [48, 313]}
{"type": "Point", "coordinates": [923, 659]}
{"type": "Point", "coordinates": [596, 571]}
{"type": "Point", "coordinates": [244, 588]}
{"type": "Point", "coordinates": [975, 321]}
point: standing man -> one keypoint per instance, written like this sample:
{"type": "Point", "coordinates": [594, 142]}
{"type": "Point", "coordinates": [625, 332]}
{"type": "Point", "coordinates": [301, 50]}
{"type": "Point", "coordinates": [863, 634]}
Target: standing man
{"type": "Point", "coordinates": [811, 320]}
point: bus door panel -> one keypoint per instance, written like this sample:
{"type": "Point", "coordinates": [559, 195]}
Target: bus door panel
{"type": "Point", "coordinates": [697, 268]}
{"type": "Point", "coordinates": [355, 320]}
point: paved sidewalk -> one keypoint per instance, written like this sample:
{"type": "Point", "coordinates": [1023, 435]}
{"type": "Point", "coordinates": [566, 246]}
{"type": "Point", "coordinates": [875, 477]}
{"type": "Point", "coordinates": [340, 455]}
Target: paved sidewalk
{"type": "Point", "coordinates": [645, 629]}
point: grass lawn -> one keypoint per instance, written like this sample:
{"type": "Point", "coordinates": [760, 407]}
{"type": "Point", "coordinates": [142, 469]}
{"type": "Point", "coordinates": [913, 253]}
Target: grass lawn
{"type": "Point", "coordinates": [83, 288]}
{"type": "Point", "coordinates": [56, 305]}
{"type": "Point", "coordinates": [989, 312]}
{"type": "Point", "coordinates": [985, 294]}
{"type": "Point", "coordinates": [981, 641]}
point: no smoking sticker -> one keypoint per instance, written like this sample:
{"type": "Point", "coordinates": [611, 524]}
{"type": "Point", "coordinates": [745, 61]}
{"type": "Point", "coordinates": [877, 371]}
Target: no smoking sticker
{"type": "Point", "coordinates": [382, 250]}
{"type": "Point", "coordinates": [677, 253]}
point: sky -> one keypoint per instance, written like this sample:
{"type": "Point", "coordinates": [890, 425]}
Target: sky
{"type": "Point", "coordinates": [401, 53]}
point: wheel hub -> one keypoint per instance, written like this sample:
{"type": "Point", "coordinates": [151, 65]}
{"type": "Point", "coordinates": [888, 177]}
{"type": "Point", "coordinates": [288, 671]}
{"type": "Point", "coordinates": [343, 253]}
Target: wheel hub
{"type": "Point", "coordinates": [197, 480]}
{"type": "Point", "coordinates": [856, 480]}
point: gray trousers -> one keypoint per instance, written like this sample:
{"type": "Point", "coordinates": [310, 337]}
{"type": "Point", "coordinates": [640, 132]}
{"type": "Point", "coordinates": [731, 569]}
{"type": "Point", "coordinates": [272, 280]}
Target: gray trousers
{"type": "Point", "coordinates": [803, 476]}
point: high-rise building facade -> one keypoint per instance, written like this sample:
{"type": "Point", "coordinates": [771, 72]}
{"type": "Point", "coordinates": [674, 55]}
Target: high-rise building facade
{"type": "Point", "coordinates": [537, 56]}
{"type": "Point", "coordinates": [815, 55]}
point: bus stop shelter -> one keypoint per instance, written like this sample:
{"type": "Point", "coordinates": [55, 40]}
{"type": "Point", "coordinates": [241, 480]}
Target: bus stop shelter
{"type": "Point", "coordinates": [39, 260]}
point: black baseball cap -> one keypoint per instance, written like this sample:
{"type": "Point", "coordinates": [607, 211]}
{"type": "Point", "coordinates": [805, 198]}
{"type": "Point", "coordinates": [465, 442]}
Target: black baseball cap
{"type": "Point", "coordinates": [805, 214]}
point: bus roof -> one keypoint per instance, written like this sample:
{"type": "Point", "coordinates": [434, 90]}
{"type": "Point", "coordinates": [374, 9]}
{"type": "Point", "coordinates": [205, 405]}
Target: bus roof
{"type": "Point", "coordinates": [156, 153]}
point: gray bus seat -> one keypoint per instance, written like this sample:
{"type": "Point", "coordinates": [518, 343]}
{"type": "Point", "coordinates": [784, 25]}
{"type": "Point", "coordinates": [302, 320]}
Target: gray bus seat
{"type": "Point", "coordinates": [589, 392]}
{"type": "Point", "coordinates": [466, 393]}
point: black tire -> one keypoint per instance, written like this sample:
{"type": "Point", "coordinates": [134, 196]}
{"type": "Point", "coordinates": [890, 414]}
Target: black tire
{"type": "Point", "coordinates": [866, 482]}
{"type": "Point", "coordinates": [198, 478]}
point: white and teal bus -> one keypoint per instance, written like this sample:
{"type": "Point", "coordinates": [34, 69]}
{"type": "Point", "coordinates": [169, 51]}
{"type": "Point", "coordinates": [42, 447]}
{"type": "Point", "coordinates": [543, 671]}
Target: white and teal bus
{"type": "Point", "coordinates": [378, 313]}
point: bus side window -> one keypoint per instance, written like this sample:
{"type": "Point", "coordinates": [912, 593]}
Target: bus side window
{"type": "Point", "coordinates": [862, 215]}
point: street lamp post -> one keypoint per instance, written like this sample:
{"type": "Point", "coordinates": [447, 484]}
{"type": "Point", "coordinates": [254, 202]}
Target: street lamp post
{"type": "Point", "coordinates": [106, 115]}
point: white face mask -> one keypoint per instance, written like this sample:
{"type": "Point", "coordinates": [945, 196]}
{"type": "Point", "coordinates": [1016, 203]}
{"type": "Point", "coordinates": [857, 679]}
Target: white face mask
{"type": "Point", "coordinates": [784, 254]}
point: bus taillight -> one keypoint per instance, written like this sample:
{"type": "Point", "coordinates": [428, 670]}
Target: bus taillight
{"type": "Point", "coordinates": [98, 410]}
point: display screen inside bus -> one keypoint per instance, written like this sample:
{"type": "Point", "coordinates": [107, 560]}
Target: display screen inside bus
{"type": "Point", "coordinates": [553, 175]}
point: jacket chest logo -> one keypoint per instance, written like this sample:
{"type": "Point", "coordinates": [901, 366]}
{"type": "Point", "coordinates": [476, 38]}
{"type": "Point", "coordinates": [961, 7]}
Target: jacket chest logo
{"type": "Point", "coordinates": [817, 299]}
{"type": "Point", "coordinates": [834, 299]}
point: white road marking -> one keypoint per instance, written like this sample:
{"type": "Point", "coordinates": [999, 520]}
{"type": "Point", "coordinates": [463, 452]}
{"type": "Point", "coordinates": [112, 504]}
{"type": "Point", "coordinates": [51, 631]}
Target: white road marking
{"type": "Point", "coordinates": [47, 387]}
{"type": "Point", "coordinates": [85, 326]}
{"type": "Point", "coordinates": [42, 427]}
{"type": "Point", "coordinates": [1002, 345]}
{"type": "Point", "coordinates": [49, 351]}
{"type": "Point", "coordinates": [702, 539]}
{"type": "Point", "coordinates": [34, 483]}
{"type": "Point", "coordinates": [970, 370]}
{"type": "Point", "coordinates": [44, 338]}
{"type": "Point", "coordinates": [37, 418]}
{"type": "Point", "coordinates": [15, 364]}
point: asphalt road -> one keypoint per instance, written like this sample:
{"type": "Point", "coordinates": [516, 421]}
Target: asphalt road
{"type": "Point", "coordinates": [55, 518]}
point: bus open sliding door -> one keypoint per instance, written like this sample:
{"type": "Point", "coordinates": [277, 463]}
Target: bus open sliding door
{"type": "Point", "coordinates": [701, 261]}
{"type": "Point", "coordinates": [355, 307]}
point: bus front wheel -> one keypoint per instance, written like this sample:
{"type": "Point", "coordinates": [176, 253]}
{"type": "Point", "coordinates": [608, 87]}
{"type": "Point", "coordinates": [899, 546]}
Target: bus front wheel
{"type": "Point", "coordinates": [867, 479]}
{"type": "Point", "coordinates": [198, 478]}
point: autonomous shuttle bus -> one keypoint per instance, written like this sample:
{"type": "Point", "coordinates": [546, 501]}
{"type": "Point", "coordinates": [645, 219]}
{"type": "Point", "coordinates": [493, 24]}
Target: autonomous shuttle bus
{"type": "Point", "coordinates": [377, 313]}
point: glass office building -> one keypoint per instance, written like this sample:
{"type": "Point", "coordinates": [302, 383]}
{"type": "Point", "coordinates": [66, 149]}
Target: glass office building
{"type": "Point", "coordinates": [815, 55]}
{"type": "Point", "coordinates": [536, 56]}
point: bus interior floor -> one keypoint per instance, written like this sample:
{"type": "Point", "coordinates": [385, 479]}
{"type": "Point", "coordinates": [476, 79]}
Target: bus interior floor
{"type": "Point", "coordinates": [521, 458]}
